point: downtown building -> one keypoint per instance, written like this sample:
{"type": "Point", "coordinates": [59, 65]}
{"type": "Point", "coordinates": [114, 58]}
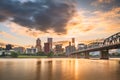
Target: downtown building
{"type": "Point", "coordinates": [19, 49]}
{"type": "Point", "coordinates": [38, 45]}
{"type": "Point", "coordinates": [46, 48]}
{"type": "Point", "coordinates": [9, 47]}
{"type": "Point", "coordinates": [70, 48]}
{"type": "Point", "coordinates": [50, 41]}
{"type": "Point", "coordinates": [31, 50]}
{"type": "Point", "coordinates": [58, 49]}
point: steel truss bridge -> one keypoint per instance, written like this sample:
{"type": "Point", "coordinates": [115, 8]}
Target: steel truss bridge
{"type": "Point", "coordinates": [112, 42]}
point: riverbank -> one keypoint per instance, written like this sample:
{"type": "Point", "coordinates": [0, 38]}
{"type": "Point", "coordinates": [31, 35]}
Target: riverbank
{"type": "Point", "coordinates": [25, 57]}
{"type": "Point", "coordinates": [32, 57]}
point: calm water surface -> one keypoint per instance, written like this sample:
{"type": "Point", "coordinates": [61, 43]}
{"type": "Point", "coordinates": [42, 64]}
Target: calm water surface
{"type": "Point", "coordinates": [59, 69]}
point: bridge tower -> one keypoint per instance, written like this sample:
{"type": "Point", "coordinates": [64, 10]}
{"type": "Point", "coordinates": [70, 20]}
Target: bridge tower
{"type": "Point", "coordinates": [86, 55]}
{"type": "Point", "coordinates": [104, 54]}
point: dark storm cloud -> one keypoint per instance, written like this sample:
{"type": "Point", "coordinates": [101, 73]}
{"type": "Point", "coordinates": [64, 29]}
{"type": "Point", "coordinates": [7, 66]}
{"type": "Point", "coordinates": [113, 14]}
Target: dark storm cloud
{"type": "Point", "coordinates": [2, 18]}
{"type": "Point", "coordinates": [39, 14]}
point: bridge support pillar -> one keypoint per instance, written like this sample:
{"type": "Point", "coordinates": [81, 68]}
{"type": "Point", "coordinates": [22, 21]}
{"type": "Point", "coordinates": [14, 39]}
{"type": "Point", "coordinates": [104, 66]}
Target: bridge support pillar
{"type": "Point", "coordinates": [72, 56]}
{"type": "Point", "coordinates": [86, 54]}
{"type": "Point", "coordinates": [104, 54]}
{"type": "Point", "coordinates": [78, 55]}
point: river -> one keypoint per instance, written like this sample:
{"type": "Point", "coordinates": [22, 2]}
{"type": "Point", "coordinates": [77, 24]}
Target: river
{"type": "Point", "coordinates": [59, 69]}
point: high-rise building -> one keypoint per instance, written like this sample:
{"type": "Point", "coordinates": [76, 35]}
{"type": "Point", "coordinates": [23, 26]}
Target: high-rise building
{"type": "Point", "coordinates": [38, 45]}
{"type": "Point", "coordinates": [50, 41]}
{"type": "Point", "coordinates": [69, 43]}
{"type": "Point", "coordinates": [58, 49]}
{"type": "Point", "coordinates": [8, 46]}
{"type": "Point", "coordinates": [73, 41]}
{"type": "Point", "coordinates": [46, 47]}
{"type": "Point", "coordinates": [69, 49]}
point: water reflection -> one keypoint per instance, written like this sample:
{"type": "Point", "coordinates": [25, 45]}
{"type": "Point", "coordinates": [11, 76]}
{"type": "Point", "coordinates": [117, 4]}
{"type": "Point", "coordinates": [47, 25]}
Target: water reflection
{"type": "Point", "coordinates": [59, 69]}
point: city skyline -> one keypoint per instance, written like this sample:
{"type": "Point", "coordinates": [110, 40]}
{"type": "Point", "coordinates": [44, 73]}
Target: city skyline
{"type": "Point", "coordinates": [83, 20]}
{"type": "Point", "coordinates": [59, 39]}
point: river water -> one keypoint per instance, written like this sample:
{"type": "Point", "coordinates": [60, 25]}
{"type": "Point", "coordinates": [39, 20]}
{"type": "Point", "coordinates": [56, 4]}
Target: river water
{"type": "Point", "coordinates": [59, 69]}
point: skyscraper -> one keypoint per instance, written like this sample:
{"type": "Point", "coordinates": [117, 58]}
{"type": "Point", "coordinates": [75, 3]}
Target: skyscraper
{"type": "Point", "coordinates": [58, 49]}
{"type": "Point", "coordinates": [50, 40]}
{"type": "Point", "coordinates": [73, 41]}
{"type": "Point", "coordinates": [70, 48]}
{"type": "Point", "coordinates": [46, 47]}
{"type": "Point", "coordinates": [38, 45]}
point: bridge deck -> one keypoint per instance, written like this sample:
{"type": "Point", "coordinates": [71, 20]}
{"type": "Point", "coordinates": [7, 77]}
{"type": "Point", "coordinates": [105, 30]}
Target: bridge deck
{"type": "Point", "coordinates": [105, 47]}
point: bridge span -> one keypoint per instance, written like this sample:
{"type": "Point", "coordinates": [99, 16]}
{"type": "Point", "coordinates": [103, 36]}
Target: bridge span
{"type": "Point", "coordinates": [112, 42]}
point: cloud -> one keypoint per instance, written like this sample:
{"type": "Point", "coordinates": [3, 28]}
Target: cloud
{"type": "Point", "coordinates": [99, 2]}
{"type": "Point", "coordinates": [31, 33]}
{"type": "Point", "coordinates": [41, 15]}
{"type": "Point", "coordinates": [94, 24]}
{"type": "Point", "coordinates": [112, 14]}
{"type": "Point", "coordinates": [83, 24]}
{"type": "Point", "coordinates": [64, 43]}
{"type": "Point", "coordinates": [19, 30]}
{"type": "Point", "coordinates": [105, 5]}
{"type": "Point", "coordinates": [106, 22]}
{"type": "Point", "coordinates": [7, 35]}
{"type": "Point", "coordinates": [104, 1]}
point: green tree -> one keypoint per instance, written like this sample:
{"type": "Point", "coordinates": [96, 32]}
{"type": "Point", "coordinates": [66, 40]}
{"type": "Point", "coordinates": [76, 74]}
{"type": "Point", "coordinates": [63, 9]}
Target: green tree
{"type": "Point", "coordinates": [41, 54]}
{"type": "Point", "coordinates": [14, 54]}
{"type": "Point", "coordinates": [3, 54]}
{"type": "Point", "coordinates": [50, 54]}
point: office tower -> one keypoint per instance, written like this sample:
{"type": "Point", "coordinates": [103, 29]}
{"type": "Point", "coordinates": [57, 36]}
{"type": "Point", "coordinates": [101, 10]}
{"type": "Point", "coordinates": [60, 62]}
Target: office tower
{"type": "Point", "coordinates": [46, 48]}
{"type": "Point", "coordinates": [73, 41]}
{"type": "Point", "coordinates": [38, 45]}
{"type": "Point", "coordinates": [70, 48]}
{"type": "Point", "coordinates": [69, 43]}
{"type": "Point", "coordinates": [58, 49]}
{"type": "Point", "coordinates": [50, 40]}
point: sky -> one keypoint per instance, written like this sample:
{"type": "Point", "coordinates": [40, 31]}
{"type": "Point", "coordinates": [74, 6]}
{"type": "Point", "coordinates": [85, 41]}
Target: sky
{"type": "Point", "coordinates": [23, 21]}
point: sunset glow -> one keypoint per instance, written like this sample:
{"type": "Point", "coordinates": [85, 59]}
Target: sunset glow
{"type": "Point", "coordinates": [91, 20]}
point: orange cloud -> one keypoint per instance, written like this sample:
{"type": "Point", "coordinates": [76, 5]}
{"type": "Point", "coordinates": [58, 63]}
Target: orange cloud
{"type": "Point", "coordinates": [91, 41]}
{"type": "Point", "coordinates": [6, 35]}
{"type": "Point", "coordinates": [23, 30]}
{"type": "Point", "coordinates": [64, 43]}
{"type": "Point", "coordinates": [96, 3]}
{"type": "Point", "coordinates": [108, 20]}
{"type": "Point", "coordinates": [33, 33]}
{"type": "Point", "coordinates": [99, 25]}
{"type": "Point", "coordinates": [105, 1]}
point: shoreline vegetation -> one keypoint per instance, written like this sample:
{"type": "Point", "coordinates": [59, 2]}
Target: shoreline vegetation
{"type": "Point", "coordinates": [25, 56]}
{"type": "Point", "coordinates": [44, 55]}
{"type": "Point", "coordinates": [36, 55]}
